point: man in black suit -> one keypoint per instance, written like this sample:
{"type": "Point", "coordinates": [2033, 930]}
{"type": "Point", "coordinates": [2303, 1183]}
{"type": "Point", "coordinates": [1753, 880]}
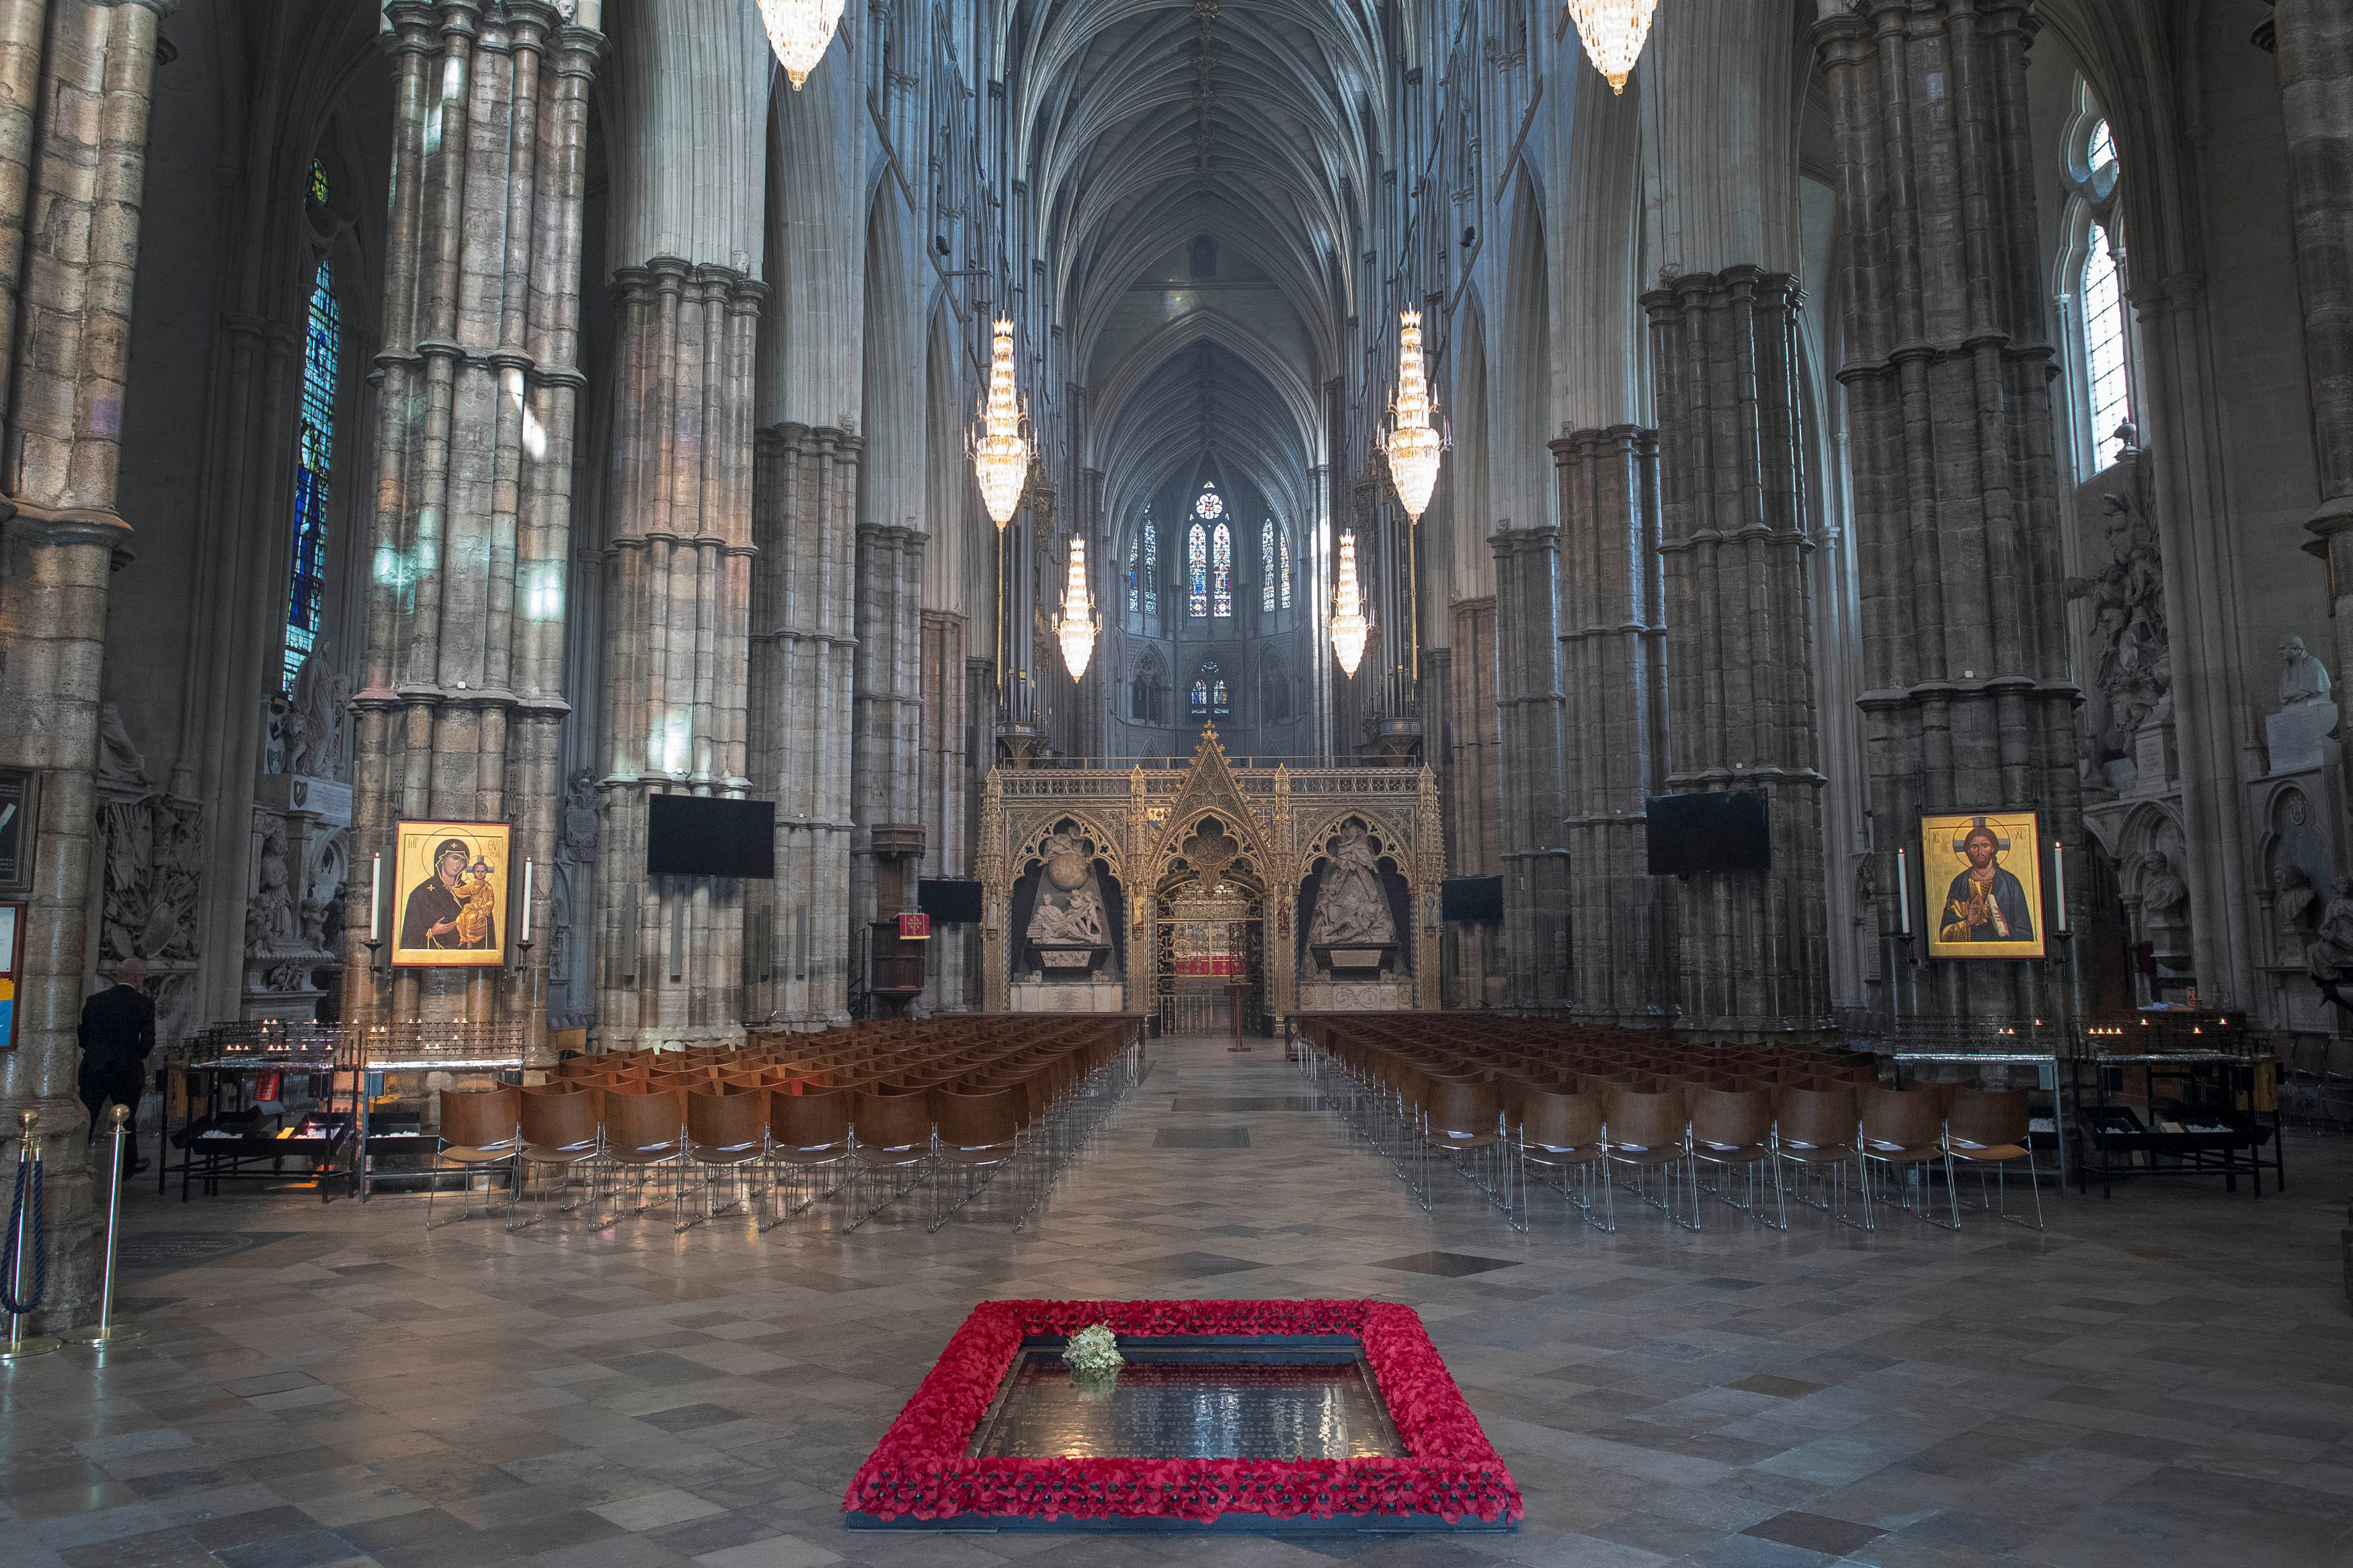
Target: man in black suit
{"type": "Point", "coordinates": [118, 1030]}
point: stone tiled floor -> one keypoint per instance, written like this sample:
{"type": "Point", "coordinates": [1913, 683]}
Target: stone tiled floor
{"type": "Point", "coordinates": [2161, 1379]}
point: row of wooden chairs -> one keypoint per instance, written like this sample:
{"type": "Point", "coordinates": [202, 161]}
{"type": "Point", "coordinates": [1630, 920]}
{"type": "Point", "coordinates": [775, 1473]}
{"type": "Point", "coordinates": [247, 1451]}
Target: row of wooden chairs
{"type": "Point", "coordinates": [1708, 1129]}
{"type": "Point", "coordinates": [781, 1140]}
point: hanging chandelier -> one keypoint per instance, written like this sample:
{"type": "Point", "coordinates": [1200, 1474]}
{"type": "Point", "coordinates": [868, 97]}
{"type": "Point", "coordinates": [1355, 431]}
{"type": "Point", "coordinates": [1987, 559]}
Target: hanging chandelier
{"type": "Point", "coordinates": [1350, 624]}
{"type": "Point", "coordinates": [1077, 625]}
{"type": "Point", "coordinates": [1413, 447]}
{"type": "Point", "coordinates": [1000, 457]}
{"type": "Point", "coordinates": [799, 30]}
{"type": "Point", "coordinates": [1613, 31]}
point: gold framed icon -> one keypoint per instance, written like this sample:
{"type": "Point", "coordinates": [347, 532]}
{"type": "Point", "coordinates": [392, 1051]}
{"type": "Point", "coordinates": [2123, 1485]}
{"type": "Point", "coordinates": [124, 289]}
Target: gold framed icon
{"type": "Point", "coordinates": [450, 887]}
{"type": "Point", "coordinates": [1982, 874]}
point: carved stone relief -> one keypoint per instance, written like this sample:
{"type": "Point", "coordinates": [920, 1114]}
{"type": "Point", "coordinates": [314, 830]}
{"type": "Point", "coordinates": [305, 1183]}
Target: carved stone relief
{"type": "Point", "coordinates": [2131, 698]}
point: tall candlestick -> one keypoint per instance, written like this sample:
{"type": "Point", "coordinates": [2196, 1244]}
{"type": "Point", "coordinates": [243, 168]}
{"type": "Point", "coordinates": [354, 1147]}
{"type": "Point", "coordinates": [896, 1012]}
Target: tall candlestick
{"type": "Point", "coordinates": [2059, 881]}
{"type": "Point", "coordinates": [526, 902]}
{"type": "Point", "coordinates": [376, 899]}
{"type": "Point", "coordinates": [1903, 891]}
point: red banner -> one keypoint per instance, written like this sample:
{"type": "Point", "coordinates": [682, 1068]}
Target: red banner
{"type": "Point", "coordinates": [914, 928]}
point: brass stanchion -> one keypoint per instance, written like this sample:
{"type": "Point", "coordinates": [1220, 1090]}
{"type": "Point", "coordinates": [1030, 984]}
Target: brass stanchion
{"type": "Point", "coordinates": [106, 1331]}
{"type": "Point", "coordinates": [25, 1224]}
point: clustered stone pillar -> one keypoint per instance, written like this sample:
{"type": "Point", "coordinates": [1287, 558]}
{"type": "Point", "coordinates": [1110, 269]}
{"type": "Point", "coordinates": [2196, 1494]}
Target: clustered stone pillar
{"type": "Point", "coordinates": [945, 718]}
{"type": "Point", "coordinates": [1956, 515]}
{"type": "Point", "coordinates": [461, 706]}
{"type": "Point", "coordinates": [1529, 704]}
{"type": "Point", "coordinates": [886, 736]}
{"type": "Point", "coordinates": [678, 606]}
{"type": "Point", "coordinates": [2316, 66]}
{"type": "Point", "coordinates": [1614, 744]}
{"type": "Point", "coordinates": [1751, 952]}
{"type": "Point", "coordinates": [69, 210]}
{"type": "Point", "coordinates": [804, 654]}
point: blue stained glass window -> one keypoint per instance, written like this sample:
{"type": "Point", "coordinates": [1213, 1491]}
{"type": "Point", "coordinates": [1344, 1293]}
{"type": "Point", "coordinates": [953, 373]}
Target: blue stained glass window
{"type": "Point", "coordinates": [1222, 573]}
{"type": "Point", "coordinates": [1196, 570]}
{"type": "Point", "coordinates": [1210, 698]}
{"type": "Point", "coordinates": [1266, 573]}
{"type": "Point", "coordinates": [1286, 570]}
{"type": "Point", "coordinates": [1131, 547]}
{"type": "Point", "coordinates": [1151, 563]}
{"type": "Point", "coordinates": [314, 459]}
{"type": "Point", "coordinates": [1200, 698]}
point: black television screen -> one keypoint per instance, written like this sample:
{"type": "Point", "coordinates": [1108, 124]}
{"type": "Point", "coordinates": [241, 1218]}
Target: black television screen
{"type": "Point", "coordinates": [1470, 898]}
{"type": "Point", "coordinates": [696, 835]}
{"type": "Point", "coordinates": [949, 902]}
{"type": "Point", "coordinates": [1727, 830]}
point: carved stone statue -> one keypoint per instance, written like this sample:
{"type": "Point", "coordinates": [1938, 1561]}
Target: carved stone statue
{"type": "Point", "coordinates": [2331, 952]}
{"type": "Point", "coordinates": [1352, 908]}
{"type": "Point", "coordinates": [273, 895]}
{"type": "Point", "coordinates": [314, 924]}
{"type": "Point", "coordinates": [330, 927]}
{"type": "Point", "coordinates": [2161, 891]}
{"type": "Point", "coordinates": [2132, 674]}
{"type": "Point", "coordinates": [122, 770]}
{"type": "Point", "coordinates": [312, 728]}
{"type": "Point", "coordinates": [1070, 908]}
{"type": "Point", "coordinates": [2303, 679]}
{"type": "Point", "coordinates": [2292, 900]}
{"type": "Point", "coordinates": [580, 827]}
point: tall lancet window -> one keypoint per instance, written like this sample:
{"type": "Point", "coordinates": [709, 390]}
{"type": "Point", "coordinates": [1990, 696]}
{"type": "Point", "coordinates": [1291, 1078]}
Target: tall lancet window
{"type": "Point", "coordinates": [1151, 563]}
{"type": "Point", "coordinates": [1196, 570]}
{"type": "Point", "coordinates": [1285, 542]}
{"type": "Point", "coordinates": [1221, 571]}
{"type": "Point", "coordinates": [314, 459]}
{"type": "Point", "coordinates": [1266, 571]}
{"type": "Point", "coordinates": [2110, 384]}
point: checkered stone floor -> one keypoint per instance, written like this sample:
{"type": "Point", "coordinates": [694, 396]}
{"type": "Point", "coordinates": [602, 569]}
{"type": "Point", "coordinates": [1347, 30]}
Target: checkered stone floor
{"type": "Point", "coordinates": [2162, 1379]}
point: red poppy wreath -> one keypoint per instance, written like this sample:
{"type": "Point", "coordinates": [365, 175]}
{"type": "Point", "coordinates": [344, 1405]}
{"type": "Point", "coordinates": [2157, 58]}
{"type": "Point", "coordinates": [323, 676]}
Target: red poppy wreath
{"type": "Point", "coordinates": [1448, 1469]}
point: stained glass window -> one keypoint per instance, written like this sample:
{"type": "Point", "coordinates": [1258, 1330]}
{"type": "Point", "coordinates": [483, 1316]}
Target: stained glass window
{"type": "Point", "coordinates": [1221, 571]}
{"type": "Point", "coordinates": [1200, 698]}
{"type": "Point", "coordinates": [1151, 564]}
{"type": "Point", "coordinates": [1211, 698]}
{"type": "Point", "coordinates": [1132, 601]}
{"type": "Point", "coordinates": [2104, 339]}
{"type": "Point", "coordinates": [1196, 570]}
{"type": "Point", "coordinates": [1219, 703]}
{"type": "Point", "coordinates": [314, 460]}
{"type": "Point", "coordinates": [1266, 566]}
{"type": "Point", "coordinates": [1285, 542]}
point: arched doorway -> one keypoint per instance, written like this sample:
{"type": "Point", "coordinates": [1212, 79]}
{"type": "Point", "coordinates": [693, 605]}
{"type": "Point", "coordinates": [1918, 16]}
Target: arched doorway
{"type": "Point", "coordinates": [1207, 939]}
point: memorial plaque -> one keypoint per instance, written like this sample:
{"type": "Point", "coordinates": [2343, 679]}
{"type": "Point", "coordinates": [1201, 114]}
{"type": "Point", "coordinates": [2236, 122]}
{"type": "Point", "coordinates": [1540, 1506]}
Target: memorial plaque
{"type": "Point", "coordinates": [1214, 1402]}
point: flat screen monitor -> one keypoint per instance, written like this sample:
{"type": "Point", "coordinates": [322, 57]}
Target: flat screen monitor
{"type": "Point", "coordinates": [697, 835]}
{"type": "Point", "coordinates": [949, 901]}
{"type": "Point", "coordinates": [1726, 830]}
{"type": "Point", "coordinates": [1470, 898]}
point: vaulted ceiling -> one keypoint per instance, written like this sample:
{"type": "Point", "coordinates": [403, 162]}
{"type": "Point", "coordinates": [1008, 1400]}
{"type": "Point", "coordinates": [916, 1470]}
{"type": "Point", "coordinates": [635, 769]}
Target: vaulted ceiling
{"type": "Point", "coordinates": [1149, 124]}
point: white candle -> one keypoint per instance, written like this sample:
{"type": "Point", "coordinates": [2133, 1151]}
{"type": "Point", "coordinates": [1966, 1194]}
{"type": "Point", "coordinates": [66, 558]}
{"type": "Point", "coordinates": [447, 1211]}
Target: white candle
{"type": "Point", "coordinates": [2059, 881]}
{"type": "Point", "coordinates": [375, 900]}
{"type": "Point", "coordinates": [1903, 891]}
{"type": "Point", "coordinates": [526, 902]}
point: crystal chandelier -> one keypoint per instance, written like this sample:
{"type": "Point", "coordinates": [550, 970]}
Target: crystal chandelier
{"type": "Point", "coordinates": [1613, 31]}
{"type": "Point", "coordinates": [1349, 622]}
{"type": "Point", "coordinates": [1077, 625]}
{"type": "Point", "coordinates": [1413, 447]}
{"type": "Point", "coordinates": [1000, 457]}
{"type": "Point", "coordinates": [799, 30]}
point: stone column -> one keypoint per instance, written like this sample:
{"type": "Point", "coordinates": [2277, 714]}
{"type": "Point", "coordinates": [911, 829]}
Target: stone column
{"type": "Point", "coordinates": [1957, 513]}
{"type": "Point", "coordinates": [886, 730]}
{"type": "Point", "coordinates": [1752, 955]}
{"type": "Point", "coordinates": [1530, 709]}
{"type": "Point", "coordinates": [1614, 721]}
{"type": "Point", "coordinates": [944, 721]}
{"type": "Point", "coordinates": [2315, 66]}
{"type": "Point", "coordinates": [804, 651]}
{"type": "Point", "coordinates": [462, 704]}
{"type": "Point", "coordinates": [678, 597]}
{"type": "Point", "coordinates": [70, 209]}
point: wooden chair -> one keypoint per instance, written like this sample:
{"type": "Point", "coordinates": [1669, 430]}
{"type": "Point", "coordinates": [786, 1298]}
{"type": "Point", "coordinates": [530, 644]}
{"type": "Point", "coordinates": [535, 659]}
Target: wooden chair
{"type": "Point", "coordinates": [1903, 1131]}
{"type": "Point", "coordinates": [1648, 1130]}
{"type": "Point", "coordinates": [1561, 1130]}
{"type": "Point", "coordinates": [480, 1128]}
{"type": "Point", "coordinates": [891, 1135]}
{"type": "Point", "coordinates": [1989, 1129]}
{"type": "Point", "coordinates": [644, 1132]}
{"type": "Point", "coordinates": [1814, 1137]}
{"type": "Point", "coordinates": [557, 1124]}
{"type": "Point", "coordinates": [978, 1135]}
{"type": "Point", "coordinates": [726, 1131]}
{"type": "Point", "coordinates": [1463, 1122]}
{"type": "Point", "coordinates": [1732, 1129]}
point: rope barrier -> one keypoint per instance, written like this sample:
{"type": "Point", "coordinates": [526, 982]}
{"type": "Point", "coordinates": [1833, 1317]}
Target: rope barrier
{"type": "Point", "coordinates": [8, 1261]}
